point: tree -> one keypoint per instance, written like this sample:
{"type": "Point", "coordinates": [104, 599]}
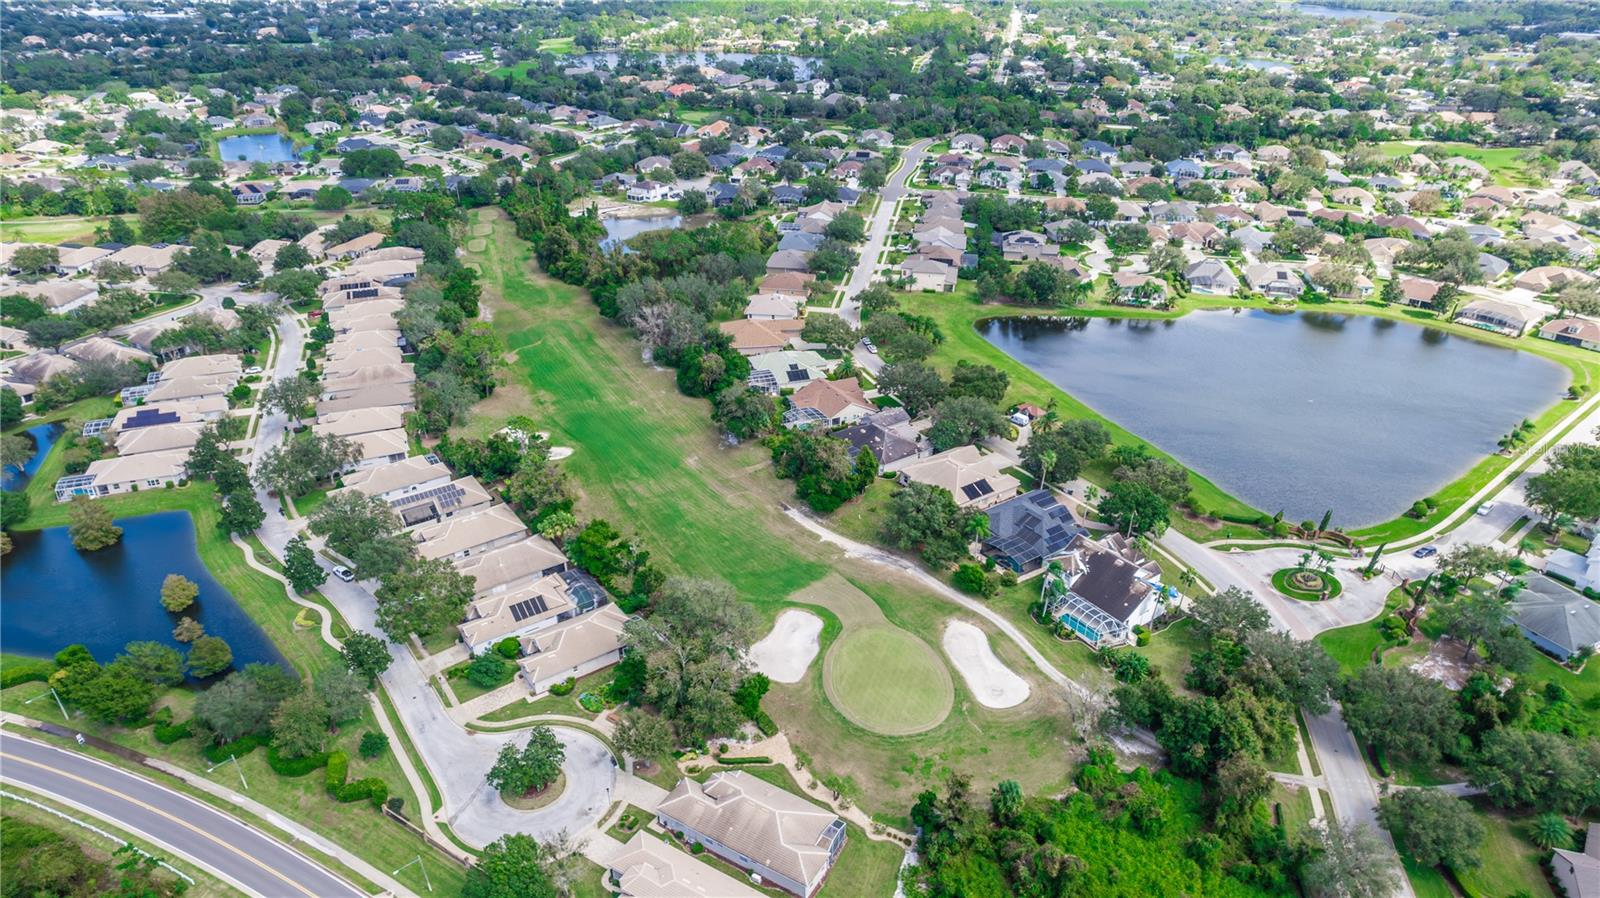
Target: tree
{"type": "Point", "coordinates": [424, 596]}
{"type": "Point", "coordinates": [11, 410]}
{"type": "Point", "coordinates": [1167, 479]}
{"type": "Point", "coordinates": [1060, 453]}
{"type": "Point", "coordinates": [694, 645]}
{"type": "Point", "coordinates": [1350, 862]}
{"type": "Point", "coordinates": [51, 331]}
{"type": "Point", "coordinates": [91, 527]}
{"type": "Point", "coordinates": [1520, 768]}
{"type": "Point", "coordinates": [241, 513]}
{"type": "Point", "coordinates": [304, 460]}
{"type": "Point", "coordinates": [291, 395]}
{"type": "Point", "coordinates": [539, 485]}
{"type": "Point", "coordinates": [829, 330]}
{"type": "Point", "coordinates": [1466, 563]}
{"type": "Point", "coordinates": [1242, 783]}
{"type": "Point", "coordinates": [36, 259]}
{"type": "Point", "coordinates": [925, 518]}
{"type": "Point", "coordinates": [445, 137]}
{"type": "Point", "coordinates": [984, 382]}
{"type": "Point", "coordinates": [365, 530]}
{"type": "Point", "coordinates": [557, 526]}
{"type": "Point", "coordinates": [1433, 827]}
{"type": "Point", "coordinates": [178, 592]}
{"type": "Point", "coordinates": [1232, 614]}
{"type": "Point", "coordinates": [1302, 674]}
{"type": "Point", "coordinates": [300, 725]}
{"type": "Point", "coordinates": [515, 866]}
{"type": "Point", "coordinates": [301, 567]}
{"type": "Point", "coordinates": [331, 198]}
{"type": "Point", "coordinates": [744, 412]}
{"type": "Point", "coordinates": [848, 227]}
{"type": "Point", "coordinates": [1134, 508]}
{"type": "Point", "coordinates": [1550, 830]}
{"type": "Point", "coordinates": [209, 655]}
{"type": "Point", "coordinates": [532, 767]}
{"type": "Point", "coordinates": [1401, 713]}
{"type": "Point", "coordinates": [1570, 486]}
{"type": "Point", "coordinates": [188, 630]}
{"type": "Point", "coordinates": [156, 664]}
{"type": "Point", "coordinates": [289, 256]}
{"type": "Point", "coordinates": [344, 693]}
{"type": "Point", "coordinates": [963, 420]}
{"type": "Point", "coordinates": [917, 386]}
{"type": "Point", "coordinates": [693, 202]}
{"type": "Point", "coordinates": [366, 655]}
{"type": "Point", "coordinates": [174, 281]}
{"type": "Point", "coordinates": [644, 735]}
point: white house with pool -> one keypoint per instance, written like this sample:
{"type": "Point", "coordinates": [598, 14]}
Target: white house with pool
{"type": "Point", "coordinates": [1101, 590]}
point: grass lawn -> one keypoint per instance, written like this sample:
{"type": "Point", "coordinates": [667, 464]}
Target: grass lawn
{"type": "Point", "coordinates": [560, 46]}
{"type": "Point", "coordinates": [1293, 807]}
{"type": "Point", "coordinates": [56, 229]}
{"type": "Point", "coordinates": [101, 848]}
{"type": "Point", "coordinates": [1427, 882]}
{"type": "Point", "coordinates": [552, 704]}
{"type": "Point", "coordinates": [1510, 861]}
{"type": "Point", "coordinates": [466, 690]}
{"type": "Point", "coordinates": [862, 517]}
{"type": "Point", "coordinates": [639, 816]}
{"type": "Point", "coordinates": [1353, 646]}
{"type": "Point", "coordinates": [1504, 163]}
{"type": "Point", "coordinates": [886, 680]}
{"type": "Point", "coordinates": [1170, 650]}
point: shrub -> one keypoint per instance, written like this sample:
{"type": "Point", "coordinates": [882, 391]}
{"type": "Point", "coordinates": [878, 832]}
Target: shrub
{"type": "Point", "coordinates": [508, 648]}
{"type": "Point", "coordinates": [1141, 636]}
{"type": "Point", "coordinates": [564, 687]}
{"type": "Point", "coordinates": [488, 671]}
{"type": "Point", "coordinates": [168, 733]}
{"type": "Point", "coordinates": [294, 766]}
{"type": "Point", "coordinates": [697, 848]}
{"type": "Point", "coordinates": [766, 724]}
{"type": "Point", "coordinates": [28, 670]}
{"type": "Point", "coordinates": [238, 748]}
{"type": "Point", "coordinates": [373, 745]}
{"type": "Point", "coordinates": [371, 788]}
{"type": "Point", "coordinates": [738, 762]}
{"type": "Point", "coordinates": [592, 703]}
{"type": "Point", "coordinates": [971, 578]}
{"type": "Point", "coordinates": [338, 768]}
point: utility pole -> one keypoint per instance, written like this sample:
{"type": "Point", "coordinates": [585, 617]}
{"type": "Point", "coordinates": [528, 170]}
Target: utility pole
{"type": "Point", "coordinates": [237, 769]}
{"type": "Point", "coordinates": [421, 866]}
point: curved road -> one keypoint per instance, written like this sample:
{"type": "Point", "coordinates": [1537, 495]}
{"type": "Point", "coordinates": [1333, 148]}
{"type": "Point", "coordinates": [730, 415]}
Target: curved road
{"type": "Point", "coordinates": [224, 846]}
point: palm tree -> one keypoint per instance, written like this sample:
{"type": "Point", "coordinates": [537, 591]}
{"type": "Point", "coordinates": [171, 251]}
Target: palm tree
{"type": "Point", "coordinates": [1047, 463]}
{"type": "Point", "coordinates": [1550, 830]}
{"type": "Point", "coordinates": [977, 528]}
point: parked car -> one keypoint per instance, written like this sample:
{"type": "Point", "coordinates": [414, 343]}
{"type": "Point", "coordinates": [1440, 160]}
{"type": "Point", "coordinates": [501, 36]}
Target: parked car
{"type": "Point", "coordinates": [1426, 552]}
{"type": "Point", "coordinates": [343, 573]}
{"type": "Point", "coordinates": [1485, 508]}
{"type": "Point", "coordinates": [871, 347]}
{"type": "Point", "coordinates": [253, 369]}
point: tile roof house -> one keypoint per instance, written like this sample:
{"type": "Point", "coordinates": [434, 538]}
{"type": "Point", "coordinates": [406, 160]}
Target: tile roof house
{"type": "Point", "coordinates": [125, 473]}
{"type": "Point", "coordinates": [402, 478]}
{"type": "Point", "coordinates": [976, 481]}
{"type": "Point", "coordinates": [839, 401]}
{"type": "Point", "coordinates": [648, 867]}
{"type": "Point", "coordinates": [1029, 530]}
{"type": "Point", "coordinates": [787, 369]}
{"type": "Point", "coordinates": [1579, 872]}
{"type": "Point", "coordinates": [1211, 276]}
{"type": "Point", "coordinates": [752, 336]}
{"type": "Point", "coordinates": [517, 613]}
{"type": "Point", "coordinates": [1498, 316]}
{"type": "Point", "coordinates": [888, 433]}
{"type": "Point", "coordinates": [778, 836]}
{"type": "Point", "coordinates": [1573, 332]}
{"type": "Point", "coordinates": [1273, 280]}
{"type": "Point", "coordinates": [1104, 589]}
{"type": "Point", "coordinates": [483, 531]}
{"type": "Point", "coordinates": [575, 649]}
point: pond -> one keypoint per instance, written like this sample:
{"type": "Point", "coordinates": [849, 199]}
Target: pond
{"type": "Point", "coordinates": [52, 595]}
{"type": "Point", "coordinates": [803, 65]}
{"type": "Point", "coordinates": [1339, 12]}
{"type": "Point", "coordinates": [620, 230]}
{"type": "Point", "coordinates": [1260, 65]}
{"type": "Point", "coordinates": [256, 148]}
{"type": "Point", "coordinates": [1300, 411]}
{"type": "Point", "coordinates": [43, 436]}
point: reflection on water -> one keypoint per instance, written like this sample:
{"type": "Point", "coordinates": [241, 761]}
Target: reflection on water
{"type": "Point", "coordinates": [1298, 411]}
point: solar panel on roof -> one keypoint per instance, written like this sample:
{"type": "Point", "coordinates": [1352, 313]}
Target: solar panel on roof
{"type": "Point", "coordinates": [528, 608]}
{"type": "Point", "coordinates": [977, 489]}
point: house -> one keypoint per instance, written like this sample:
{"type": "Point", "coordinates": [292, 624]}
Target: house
{"type": "Point", "coordinates": [652, 191]}
{"type": "Point", "coordinates": [927, 274]}
{"type": "Point", "coordinates": [1029, 530]}
{"type": "Point", "coordinates": [1578, 873]}
{"type": "Point", "coordinates": [1104, 589]}
{"type": "Point", "coordinates": [648, 867]}
{"type": "Point", "coordinates": [1273, 280]}
{"type": "Point", "coordinates": [1008, 143]}
{"type": "Point", "coordinates": [1139, 289]}
{"type": "Point", "coordinates": [1212, 277]}
{"type": "Point", "coordinates": [1557, 620]}
{"type": "Point", "coordinates": [61, 297]}
{"type": "Point", "coordinates": [139, 417]}
{"type": "Point", "coordinates": [356, 247]}
{"type": "Point", "coordinates": [1550, 278]}
{"type": "Point", "coordinates": [165, 438]}
{"type": "Point", "coordinates": [1024, 246]}
{"type": "Point", "coordinates": [783, 839]}
{"type": "Point", "coordinates": [751, 336]}
{"type": "Point", "coordinates": [839, 402]}
{"type": "Point", "coordinates": [1360, 285]}
{"type": "Point", "coordinates": [249, 194]}
{"type": "Point", "coordinates": [974, 480]}
{"type": "Point", "coordinates": [888, 433]}
{"type": "Point", "coordinates": [1419, 292]}
{"type": "Point", "coordinates": [650, 164]}
{"type": "Point", "coordinates": [81, 258]}
{"type": "Point", "coordinates": [126, 474]}
{"type": "Point", "coordinates": [968, 143]}
{"type": "Point", "coordinates": [575, 649]}
{"type": "Point", "coordinates": [482, 531]}
{"type": "Point", "coordinates": [1573, 332]}
{"type": "Point", "coordinates": [458, 497]}
{"type": "Point", "coordinates": [403, 478]}
{"type": "Point", "coordinates": [772, 307]}
{"type": "Point", "coordinates": [788, 260]}
{"type": "Point", "coordinates": [1183, 170]}
{"type": "Point", "coordinates": [876, 137]}
{"type": "Point", "coordinates": [1101, 150]}
{"type": "Point", "coordinates": [519, 613]}
{"type": "Point", "coordinates": [788, 195]}
{"type": "Point", "coordinates": [788, 369]}
{"type": "Point", "coordinates": [513, 566]}
{"type": "Point", "coordinates": [1495, 315]}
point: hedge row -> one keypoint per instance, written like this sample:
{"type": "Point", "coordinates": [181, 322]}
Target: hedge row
{"type": "Point", "coordinates": [27, 670]}
{"type": "Point", "coordinates": [167, 733]}
{"type": "Point", "coordinates": [295, 766]}
{"type": "Point", "coordinates": [371, 788]}
{"type": "Point", "coordinates": [238, 748]}
{"type": "Point", "coordinates": [740, 762]}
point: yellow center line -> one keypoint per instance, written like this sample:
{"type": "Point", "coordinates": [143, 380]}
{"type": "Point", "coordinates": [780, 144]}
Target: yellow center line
{"type": "Point", "coordinates": [155, 810]}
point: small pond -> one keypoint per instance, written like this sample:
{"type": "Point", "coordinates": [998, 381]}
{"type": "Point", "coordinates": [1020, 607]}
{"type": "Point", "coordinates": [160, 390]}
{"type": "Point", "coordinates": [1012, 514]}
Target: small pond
{"type": "Point", "coordinates": [1303, 411]}
{"type": "Point", "coordinates": [1260, 65]}
{"type": "Point", "coordinates": [1339, 12]}
{"type": "Point", "coordinates": [620, 230]}
{"type": "Point", "coordinates": [256, 148]}
{"type": "Point", "coordinates": [803, 65]}
{"type": "Point", "coordinates": [52, 595]}
{"type": "Point", "coordinates": [43, 436]}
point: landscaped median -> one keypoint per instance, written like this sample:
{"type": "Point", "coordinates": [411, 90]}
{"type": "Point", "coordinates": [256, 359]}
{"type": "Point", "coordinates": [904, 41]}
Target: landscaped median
{"type": "Point", "coordinates": [1306, 584]}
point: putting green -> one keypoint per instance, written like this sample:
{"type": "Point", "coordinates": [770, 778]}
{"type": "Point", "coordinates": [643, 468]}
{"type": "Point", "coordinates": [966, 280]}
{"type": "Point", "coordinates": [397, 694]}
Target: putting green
{"type": "Point", "coordinates": [887, 681]}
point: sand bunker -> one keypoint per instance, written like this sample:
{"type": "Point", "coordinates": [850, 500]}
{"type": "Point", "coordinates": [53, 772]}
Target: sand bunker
{"type": "Point", "coordinates": [786, 652]}
{"type": "Point", "coordinates": [992, 683]}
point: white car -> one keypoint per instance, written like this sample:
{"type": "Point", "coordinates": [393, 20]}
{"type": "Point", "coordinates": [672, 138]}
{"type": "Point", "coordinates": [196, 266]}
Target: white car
{"type": "Point", "coordinates": [343, 573]}
{"type": "Point", "coordinates": [1485, 508]}
{"type": "Point", "coordinates": [870, 346]}
{"type": "Point", "coordinates": [253, 369]}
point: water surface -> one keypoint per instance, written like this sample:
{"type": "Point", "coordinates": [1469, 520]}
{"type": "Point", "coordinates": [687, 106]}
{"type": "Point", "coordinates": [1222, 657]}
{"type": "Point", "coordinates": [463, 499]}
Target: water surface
{"type": "Point", "coordinates": [43, 436]}
{"type": "Point", "coordinates": [52, 595]}
{"type": "Point", "coordinates": [1338, 12]}
{"type": "Point", "coordinates": [620, 230]}
{"type": "Point", "coordinates": [1302, 412]}
{"type": "Point", "coordinates": [256, 148]}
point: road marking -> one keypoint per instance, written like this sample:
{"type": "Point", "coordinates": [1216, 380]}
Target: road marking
{"type": "Point", "coordinates": [155, 810]}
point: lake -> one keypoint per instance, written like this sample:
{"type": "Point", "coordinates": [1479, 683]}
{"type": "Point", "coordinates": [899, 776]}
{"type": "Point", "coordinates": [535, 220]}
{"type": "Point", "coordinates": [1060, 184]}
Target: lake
{"type": "Point", "coordinates": [43, 436]}
{"type": "Point", "coordinates": [1300, 411]}
{"type": "Point", "coordinates": [1259, 65]}
{"type": "Point", "coordinates": [256, 148]}
{"type": "Point", "coordinates": [52, 595]}
{"type": "Point", "coordinates": [803, 65]}
{"type": "Point", "coordinates": [1338, 12]}
{"type": "Point", "coordinates": [620, 230]}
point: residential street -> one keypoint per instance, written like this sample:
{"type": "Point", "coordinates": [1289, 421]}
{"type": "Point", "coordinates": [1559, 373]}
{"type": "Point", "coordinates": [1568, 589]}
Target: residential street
{"type": "Point", "coordinates": [222, 845]}
{"type": "Point", "coordinates": [879, 228]}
